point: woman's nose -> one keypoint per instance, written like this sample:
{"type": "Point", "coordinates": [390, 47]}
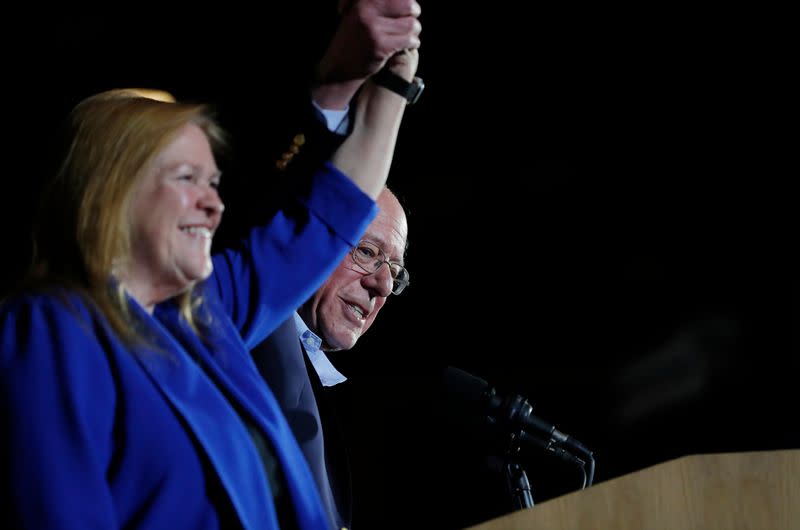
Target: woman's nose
{"type": "Point", "coordinates": [211, 202]}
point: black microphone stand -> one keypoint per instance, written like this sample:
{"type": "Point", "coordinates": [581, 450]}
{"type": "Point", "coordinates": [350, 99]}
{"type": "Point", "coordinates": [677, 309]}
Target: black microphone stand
{"type": "Point", "coordinates": [517, 481]}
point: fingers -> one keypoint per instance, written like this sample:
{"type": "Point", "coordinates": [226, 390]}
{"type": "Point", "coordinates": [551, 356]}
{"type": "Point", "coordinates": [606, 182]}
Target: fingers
{"type": "Point", "coordinates": [369, 33]}
{"type": "Point", "coordinates": [399, 33]}
{"type": "Point", "coordinates": [408, 26]}
{"type": "Point", "coordinates": [370, 9]}
{"type": "Point", "coordinates": [387, 8]}
{"type": "Point", "coordinates": [387, 18]}
{"type": "Point", "coordinates": [396, 8]}
{"type": "Point", "coordinates": [404, 63]}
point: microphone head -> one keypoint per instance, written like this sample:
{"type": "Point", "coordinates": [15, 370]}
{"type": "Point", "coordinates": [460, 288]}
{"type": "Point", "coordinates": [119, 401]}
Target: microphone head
{"type": "Point", "coordinates": [464, 388]}
{"type": "Point", "coordinates": [466, 409]}
{"type": "Point", "coordinates": [478, 415]}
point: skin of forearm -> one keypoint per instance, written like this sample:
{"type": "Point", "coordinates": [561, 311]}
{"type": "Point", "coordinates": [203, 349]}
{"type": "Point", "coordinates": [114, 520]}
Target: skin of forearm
{"type": "Point", "coordinates": [366, 155]}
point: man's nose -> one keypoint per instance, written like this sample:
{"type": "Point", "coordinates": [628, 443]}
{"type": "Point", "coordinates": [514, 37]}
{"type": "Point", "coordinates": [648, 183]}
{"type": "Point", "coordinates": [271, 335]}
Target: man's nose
{"type": "Point", "coordinates": [380, 282]}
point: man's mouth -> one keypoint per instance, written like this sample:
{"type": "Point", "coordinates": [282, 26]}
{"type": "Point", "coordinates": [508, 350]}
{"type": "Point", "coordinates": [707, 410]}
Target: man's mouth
{"type": "Point", "coordinates": [357, 311]}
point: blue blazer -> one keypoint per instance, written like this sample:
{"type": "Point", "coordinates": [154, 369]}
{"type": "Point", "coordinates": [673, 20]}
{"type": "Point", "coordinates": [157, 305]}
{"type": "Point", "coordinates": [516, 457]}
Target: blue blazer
{"type": "Point", "coordinates": [98, 433]}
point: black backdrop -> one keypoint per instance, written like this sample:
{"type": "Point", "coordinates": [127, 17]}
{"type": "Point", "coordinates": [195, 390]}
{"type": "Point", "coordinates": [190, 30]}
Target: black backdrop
{"type": "Point", "coordinates": [596, 219]}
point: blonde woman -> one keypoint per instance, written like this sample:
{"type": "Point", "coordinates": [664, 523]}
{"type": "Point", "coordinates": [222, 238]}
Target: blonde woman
{"type": "Point", "coordinates": [129, 398]}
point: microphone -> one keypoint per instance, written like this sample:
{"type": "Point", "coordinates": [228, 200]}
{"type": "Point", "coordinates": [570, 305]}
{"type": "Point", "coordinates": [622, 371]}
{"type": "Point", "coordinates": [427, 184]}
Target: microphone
{"type": "Point", "coordinates": [514, 412]}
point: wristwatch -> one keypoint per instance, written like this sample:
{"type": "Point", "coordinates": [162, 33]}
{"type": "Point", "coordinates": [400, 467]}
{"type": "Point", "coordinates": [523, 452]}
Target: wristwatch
{"type": "Point", "coordinates": [411, 91]}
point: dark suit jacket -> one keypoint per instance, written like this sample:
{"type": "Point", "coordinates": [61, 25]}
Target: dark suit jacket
{"type": "Point", "coordinates": [303, 142]}
{"type": "Point", "coordinates": [298, 390]}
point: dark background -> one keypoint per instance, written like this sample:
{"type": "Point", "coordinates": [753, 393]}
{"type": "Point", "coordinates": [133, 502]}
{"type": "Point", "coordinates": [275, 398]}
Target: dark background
{"type": "Point", "coordinates": [597, 222]}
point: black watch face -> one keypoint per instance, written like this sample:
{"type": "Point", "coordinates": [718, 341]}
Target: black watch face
{"type": "Point", "coordinates": [416, 90]}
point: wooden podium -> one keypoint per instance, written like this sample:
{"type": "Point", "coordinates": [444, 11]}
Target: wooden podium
{"type": "Point", "coordinates": [729, 491]}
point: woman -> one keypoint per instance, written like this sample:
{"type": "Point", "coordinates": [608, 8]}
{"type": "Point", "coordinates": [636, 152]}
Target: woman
{"type": "Point", "coordinates": [128, 395]}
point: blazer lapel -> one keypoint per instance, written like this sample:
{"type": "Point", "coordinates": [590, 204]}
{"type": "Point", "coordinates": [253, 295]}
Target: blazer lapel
{"type": "Point", "coordinates": [234, 372]}
{"type": "Point", "coordinates": [337, 461]}
{"type": "Point", "coordinates": [214, 423]}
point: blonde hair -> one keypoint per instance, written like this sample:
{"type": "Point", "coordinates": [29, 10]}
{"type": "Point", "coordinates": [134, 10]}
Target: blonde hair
{"type": "Point", "coordinates": [83, 230]}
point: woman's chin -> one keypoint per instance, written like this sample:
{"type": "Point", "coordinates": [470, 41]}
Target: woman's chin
{"type": "Point", "coordinates": [198, 272]}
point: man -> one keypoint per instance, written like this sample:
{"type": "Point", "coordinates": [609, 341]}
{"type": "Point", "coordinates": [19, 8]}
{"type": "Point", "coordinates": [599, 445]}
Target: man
{"type": "Point", "coordinates": [293, 359]}
{"type": "Point", "coordinates": [347, 304]}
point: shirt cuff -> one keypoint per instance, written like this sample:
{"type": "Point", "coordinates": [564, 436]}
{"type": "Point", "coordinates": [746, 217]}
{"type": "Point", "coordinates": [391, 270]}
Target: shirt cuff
{"type": "Point", "coordinates": [337, 121]}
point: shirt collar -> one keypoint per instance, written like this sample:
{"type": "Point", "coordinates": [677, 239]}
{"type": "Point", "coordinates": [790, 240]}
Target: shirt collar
{"type": "Point", "coordinates": [327, 373]}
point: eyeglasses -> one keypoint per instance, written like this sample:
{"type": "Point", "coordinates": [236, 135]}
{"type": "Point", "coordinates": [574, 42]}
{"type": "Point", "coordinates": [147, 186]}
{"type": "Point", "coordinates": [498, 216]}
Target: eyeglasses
{"type": "Point", "coordinates": [369, 257]}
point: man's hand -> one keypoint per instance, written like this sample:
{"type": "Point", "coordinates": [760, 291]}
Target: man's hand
{"type": "Point", "coordinates": [369, 34]}
{"type": "Point", "coordinates": [404, 63]}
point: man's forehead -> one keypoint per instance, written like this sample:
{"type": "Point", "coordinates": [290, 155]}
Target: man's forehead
{"type": "Point", "coordinates": [389, 234]}
{"type": "Point", "coordinates": [388, 239]}
{"type": "Point", "coordinates": [390, 227]}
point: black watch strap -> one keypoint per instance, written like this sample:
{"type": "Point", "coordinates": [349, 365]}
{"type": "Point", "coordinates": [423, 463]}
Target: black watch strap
{"type": "Point", "coordinates": [388, 79]}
